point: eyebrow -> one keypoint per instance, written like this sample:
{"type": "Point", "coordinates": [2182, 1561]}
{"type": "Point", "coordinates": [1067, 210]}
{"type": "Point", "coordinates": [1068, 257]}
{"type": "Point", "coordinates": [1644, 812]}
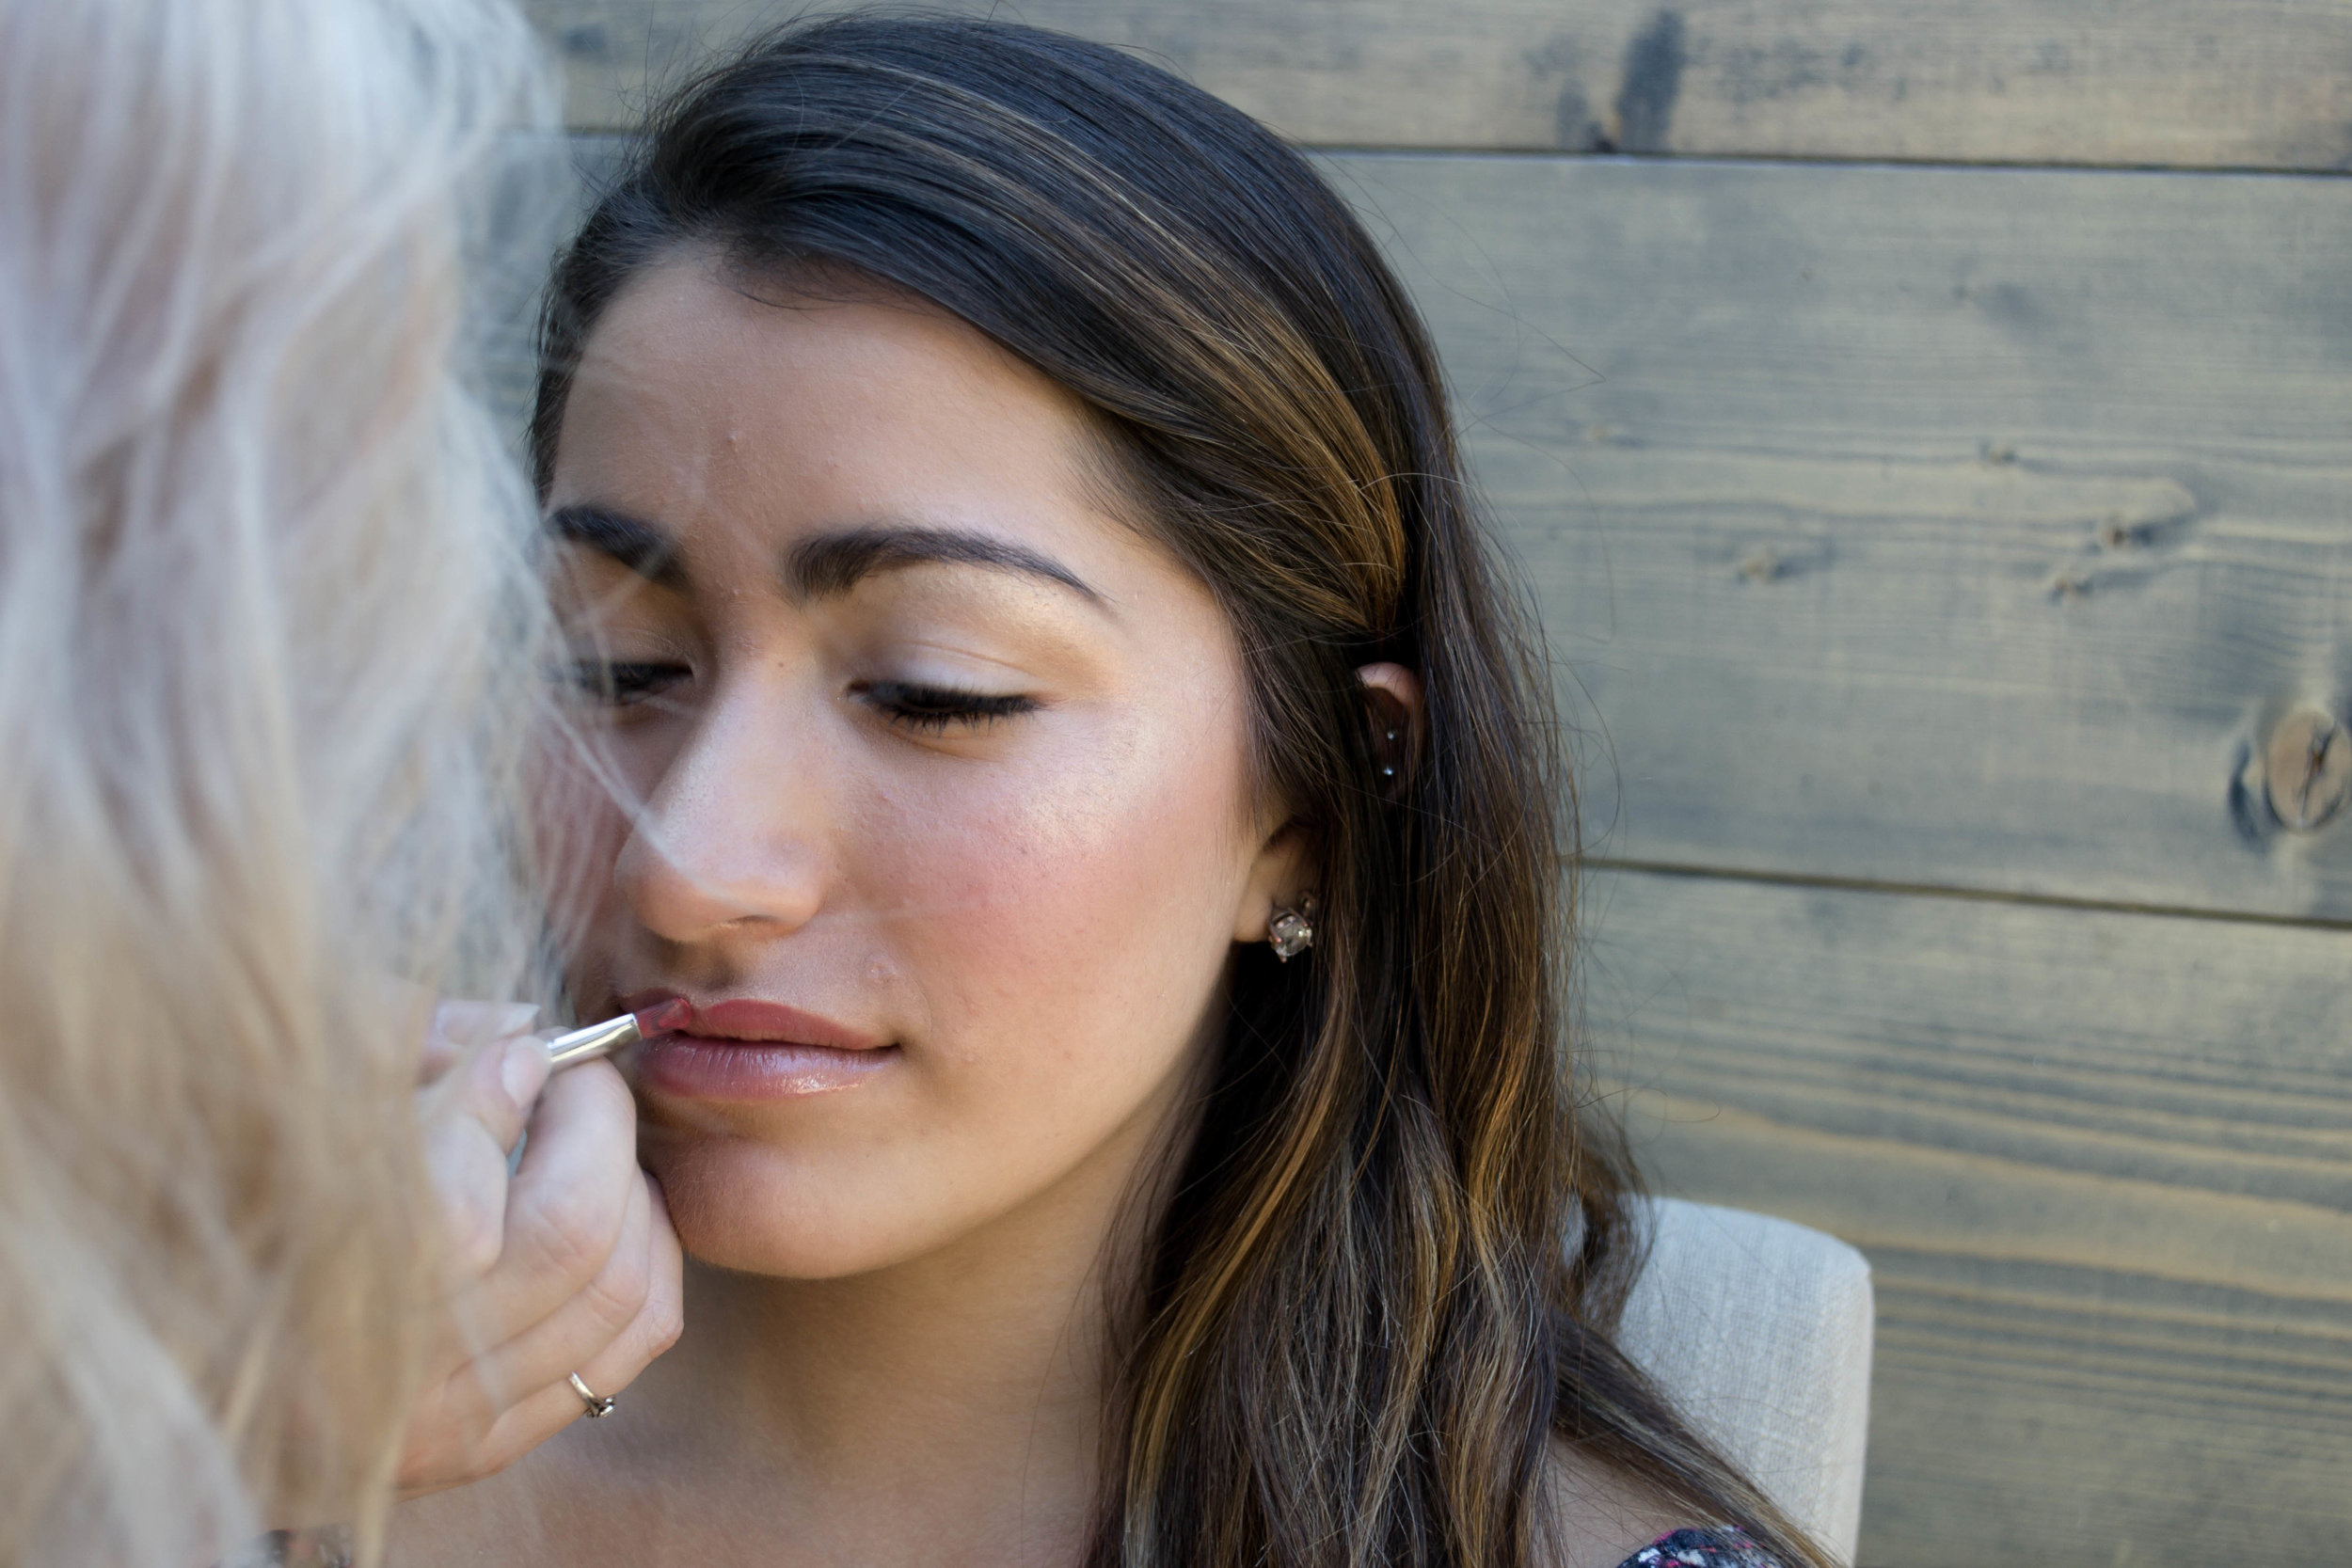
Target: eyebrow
{"type": "Point", "coordinates": [822, 567]}
{"type": "Point", "coordinates": [835, 563]}
{"type": "Point", "coordinates": [632, 542]}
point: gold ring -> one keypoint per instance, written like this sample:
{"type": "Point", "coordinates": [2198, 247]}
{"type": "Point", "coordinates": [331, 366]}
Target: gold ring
{"type": "Point", "coordinates": [598, 1407]}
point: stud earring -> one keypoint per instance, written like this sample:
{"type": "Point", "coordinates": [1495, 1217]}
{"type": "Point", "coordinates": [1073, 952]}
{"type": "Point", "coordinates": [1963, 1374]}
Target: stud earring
{"type": "Point", "coordinates": [1290, 932]}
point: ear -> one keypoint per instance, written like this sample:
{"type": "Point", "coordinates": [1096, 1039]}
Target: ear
{"type": "Point", "coordinates": [1277, 878]}
{"type": "Point", "coordinates": [1393, 708]}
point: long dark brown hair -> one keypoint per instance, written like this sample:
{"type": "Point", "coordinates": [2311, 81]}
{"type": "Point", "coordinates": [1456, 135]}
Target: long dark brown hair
{"type": "Point", "coordinates": [1384, 1279]}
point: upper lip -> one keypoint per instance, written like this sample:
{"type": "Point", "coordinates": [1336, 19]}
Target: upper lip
{"type": "Point", "coordinates": [754, 1021]}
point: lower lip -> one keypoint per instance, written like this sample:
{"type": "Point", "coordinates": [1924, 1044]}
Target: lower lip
{"type": "Point", "coordinates": [697, 1066]}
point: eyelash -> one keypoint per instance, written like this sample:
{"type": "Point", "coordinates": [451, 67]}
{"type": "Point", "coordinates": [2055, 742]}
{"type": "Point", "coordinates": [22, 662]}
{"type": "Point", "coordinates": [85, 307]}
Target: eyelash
{"type": "Point", "coordinates": [625, 683]}
{"type": "Point", "coordinates": [930, 709]}
{"type": "Point", "coordinates": [925, 709]}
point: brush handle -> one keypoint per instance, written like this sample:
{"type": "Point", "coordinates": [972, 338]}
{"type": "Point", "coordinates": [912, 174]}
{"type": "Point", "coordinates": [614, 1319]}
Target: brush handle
{"type": "Point", "coordinates": [596, 1039]}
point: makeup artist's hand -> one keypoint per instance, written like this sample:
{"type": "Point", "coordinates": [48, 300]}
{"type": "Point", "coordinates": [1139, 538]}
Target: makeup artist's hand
{"type": "Point", "coordinates": [568, 1266]}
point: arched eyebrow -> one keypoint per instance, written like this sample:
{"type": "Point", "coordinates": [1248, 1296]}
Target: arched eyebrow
{"type": "Point", "coordinates": [831, 563]}
{"type": "Point", "coordinates": [818, 567]}
{"type": "Point", "coordinates": [630, 542]}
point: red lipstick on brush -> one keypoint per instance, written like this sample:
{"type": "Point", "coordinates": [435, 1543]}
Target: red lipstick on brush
{"type": "Point", "coordinates": [618, 1034]}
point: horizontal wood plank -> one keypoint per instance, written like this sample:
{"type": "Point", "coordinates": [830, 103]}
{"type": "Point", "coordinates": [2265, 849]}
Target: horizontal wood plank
{"type": "Point", "coordinates": [1966, 529]}
{"type": "Point", "coordinates": [2102, 1163]}
{"type": "Point", "coordinates": [2186, 83]}
{"type": "Point", "coordinates": [1959, 528]}
{"type": "Point", "coordinates": [1949, 527]}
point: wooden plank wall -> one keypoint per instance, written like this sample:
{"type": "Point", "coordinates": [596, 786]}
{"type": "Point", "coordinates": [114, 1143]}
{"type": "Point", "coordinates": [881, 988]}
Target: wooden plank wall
{"type": "Point", "coordinates": [1937, 555]}
{"type": "Point", "coordinates": [2192, 83]}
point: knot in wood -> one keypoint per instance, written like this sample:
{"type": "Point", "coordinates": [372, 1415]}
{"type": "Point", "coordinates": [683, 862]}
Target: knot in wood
{"type": "Point", "coordinates": [2306, 766]}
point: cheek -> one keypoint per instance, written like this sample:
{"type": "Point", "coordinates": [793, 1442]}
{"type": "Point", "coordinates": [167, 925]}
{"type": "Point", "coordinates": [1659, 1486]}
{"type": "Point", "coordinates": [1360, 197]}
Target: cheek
{"type": "Point", "coordinates": [1079, 900]}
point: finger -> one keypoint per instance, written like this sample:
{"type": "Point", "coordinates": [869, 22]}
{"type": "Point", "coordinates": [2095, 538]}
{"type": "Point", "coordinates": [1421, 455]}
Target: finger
{"type": "Point", "coordinates": [471, 1423]}
{"type": "Point", "coordinates": [620, 1362]}
{"type": "Point", "coordinates": [461, 1428]}
{"type": "Point", "coordinates": [599, 1312]}
{"type": "Point", "coordinates": [493, 1088]}
{"type": "Point", "coordinates": [569, 1200]}
{"type": "Point", "coordinates": [468, 1173]}
{"type": "Point", "coordinates": [460, 1029]}
{"type": "Point", "coordinates": [471, 1119]}
{"type": "Point", "coordinates": [660, 1321]}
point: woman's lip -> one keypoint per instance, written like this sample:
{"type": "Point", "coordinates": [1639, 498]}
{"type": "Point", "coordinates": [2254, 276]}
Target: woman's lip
{"type": "Point", "coordinates": [744, 1019]}
{"type": "Point", "coordinates": [697, 1066]}
{"type": "Point", "coordinates": [740, 1048]}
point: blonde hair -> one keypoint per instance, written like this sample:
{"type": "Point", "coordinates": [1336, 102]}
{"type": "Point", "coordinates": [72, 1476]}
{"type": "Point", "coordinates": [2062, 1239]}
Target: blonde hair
{"type": "Point", "coordinates": [266, 631]}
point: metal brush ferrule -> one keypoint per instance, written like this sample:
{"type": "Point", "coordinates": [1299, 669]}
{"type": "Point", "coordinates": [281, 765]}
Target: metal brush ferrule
{"type": "Point", "coordinates": [597, 1039]}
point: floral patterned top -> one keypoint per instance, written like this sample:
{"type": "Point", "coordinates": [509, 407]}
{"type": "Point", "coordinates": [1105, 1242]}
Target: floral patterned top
{"type": "Point", "coordinates": [1720, 1547]}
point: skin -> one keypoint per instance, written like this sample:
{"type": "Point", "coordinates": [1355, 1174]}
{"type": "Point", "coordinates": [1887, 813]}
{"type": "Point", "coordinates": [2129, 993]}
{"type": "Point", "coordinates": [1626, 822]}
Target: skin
{"type": "Point", "coordinates": [567, 1263]}
{"type": "Point", "coordinates": [895, 1335]}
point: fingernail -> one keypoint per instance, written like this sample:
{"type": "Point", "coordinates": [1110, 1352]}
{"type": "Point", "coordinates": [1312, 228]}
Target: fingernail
{"type": "Point", "coordinates": [523, 1070]}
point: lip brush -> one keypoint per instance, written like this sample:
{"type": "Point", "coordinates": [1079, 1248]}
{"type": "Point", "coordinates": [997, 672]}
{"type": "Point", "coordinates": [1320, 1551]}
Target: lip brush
{"type": "Point", "coordinates": [616, 1034]}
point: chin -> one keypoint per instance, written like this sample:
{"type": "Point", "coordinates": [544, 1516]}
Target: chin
{"type": "Point", "coordinates": [746, 1207]}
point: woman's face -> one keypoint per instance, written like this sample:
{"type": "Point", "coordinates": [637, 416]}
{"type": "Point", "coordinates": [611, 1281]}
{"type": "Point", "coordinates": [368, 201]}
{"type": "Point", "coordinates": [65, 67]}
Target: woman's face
{"type": "Point", "coordinates": [942, 814]}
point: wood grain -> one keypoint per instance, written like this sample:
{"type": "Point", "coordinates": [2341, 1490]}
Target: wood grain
{"type": "Point", "coordinates": [2188, 82]}
{"type": "Point", "coordinates": [1964, 529]}
{"type": "Point", "coordinates": [1958, 529]}
{"type": "Point", "coordinates": [2102, 1163]}
{"type": "Point", "coordinates": [1949, 527]}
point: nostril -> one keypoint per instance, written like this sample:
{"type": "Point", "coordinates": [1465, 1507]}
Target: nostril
{"type": "Point", "coordinates": [750, 891]}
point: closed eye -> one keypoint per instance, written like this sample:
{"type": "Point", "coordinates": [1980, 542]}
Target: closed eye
{"type": "Point", "coordinates": [624, 683]}
{"type": "Point", "coordinates": [933, 709]}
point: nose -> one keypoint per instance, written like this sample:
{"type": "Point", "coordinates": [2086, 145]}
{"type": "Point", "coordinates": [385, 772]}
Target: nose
{"type": "Point", "coordinates": [732, 845]}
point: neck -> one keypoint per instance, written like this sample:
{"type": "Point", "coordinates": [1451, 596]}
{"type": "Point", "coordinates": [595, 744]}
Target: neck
{"type": "Point", "coordinates": [871, 1374]}
{"type": "Point", "coordinates": [959, 1395]}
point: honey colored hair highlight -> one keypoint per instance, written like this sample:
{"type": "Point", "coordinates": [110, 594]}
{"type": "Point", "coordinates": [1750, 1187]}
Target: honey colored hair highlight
{"type": "Point", "coordinates": [265, 650]}
{"type": "Point", "coordinates": [1384, 1280]}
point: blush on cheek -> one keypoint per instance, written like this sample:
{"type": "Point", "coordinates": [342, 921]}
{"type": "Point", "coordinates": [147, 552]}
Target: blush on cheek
{"type": "Point", "coordinates": [1081, 909]}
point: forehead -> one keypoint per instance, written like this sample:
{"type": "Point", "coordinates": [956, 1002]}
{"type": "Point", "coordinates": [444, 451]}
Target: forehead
{"type": "Point", "coordinates": [699, 390]}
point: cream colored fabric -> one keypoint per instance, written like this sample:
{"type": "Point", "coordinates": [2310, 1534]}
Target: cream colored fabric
{"type": "Point", "coordinates": [1760, 1330]}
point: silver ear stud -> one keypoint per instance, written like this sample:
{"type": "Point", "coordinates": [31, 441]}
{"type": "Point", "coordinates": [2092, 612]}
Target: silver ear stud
{"type": "Point", "coordinates": [1290, 932]}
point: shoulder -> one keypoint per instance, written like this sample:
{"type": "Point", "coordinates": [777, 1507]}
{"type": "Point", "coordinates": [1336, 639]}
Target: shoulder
{"type": "Point", "coordinates": [1718, 1547]}
{"type": "Point", "coordinates": [1597, 1517]}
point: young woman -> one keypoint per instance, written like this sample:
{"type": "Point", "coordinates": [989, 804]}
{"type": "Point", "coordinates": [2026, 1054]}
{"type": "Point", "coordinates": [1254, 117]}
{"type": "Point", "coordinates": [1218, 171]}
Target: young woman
{"type": "Point", "coordinates": [1066, 735]}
